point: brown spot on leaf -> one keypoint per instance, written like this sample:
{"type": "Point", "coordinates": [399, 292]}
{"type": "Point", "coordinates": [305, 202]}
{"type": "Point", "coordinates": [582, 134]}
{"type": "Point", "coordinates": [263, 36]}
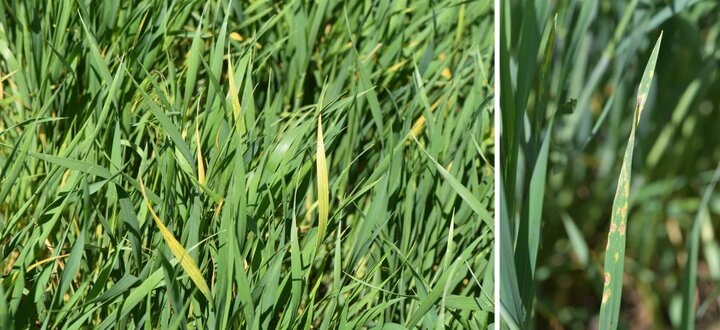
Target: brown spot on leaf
{"type": "Point", "coordinates": [606, 296]}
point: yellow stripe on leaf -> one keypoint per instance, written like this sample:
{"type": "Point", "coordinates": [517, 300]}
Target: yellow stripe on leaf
{"type": "Point", "coordinates": [186, 262]}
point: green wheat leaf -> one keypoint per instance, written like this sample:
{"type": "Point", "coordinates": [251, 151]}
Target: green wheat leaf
{"type": "Point", "coordinates": [615, 251]}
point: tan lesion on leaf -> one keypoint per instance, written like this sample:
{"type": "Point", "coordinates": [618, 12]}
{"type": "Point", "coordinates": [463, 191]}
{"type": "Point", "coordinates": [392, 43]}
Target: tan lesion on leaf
{"type": "Point", "coordinates": [606, 296]}
{"type": "Point", "coordinates": [640, 100]}
{"type": "Point", "coordinates": [607, 278]}
{"type": "Point", "coordinates": [623, 184]}
{"type": "Point", "coordinates": [616, 256]}
{"type": "Point", "coordinates": [622, 228]}
{"type": "Point", "coordinates": [613, 227]}
{"type": "Point", "coordinates": [638, 110]}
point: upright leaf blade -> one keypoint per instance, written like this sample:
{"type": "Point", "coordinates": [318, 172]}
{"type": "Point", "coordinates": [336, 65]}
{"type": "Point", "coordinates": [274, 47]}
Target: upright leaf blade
{"type": "Point", "coordinates": [615, 251]}
{"type": "Point", "coordinates": [689, 283]}
{"type": "Point", "coordinates": [322, 184]}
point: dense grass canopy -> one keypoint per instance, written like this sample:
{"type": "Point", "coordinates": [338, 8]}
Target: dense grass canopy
{"type": "Point", "coordinates": [246, 163]}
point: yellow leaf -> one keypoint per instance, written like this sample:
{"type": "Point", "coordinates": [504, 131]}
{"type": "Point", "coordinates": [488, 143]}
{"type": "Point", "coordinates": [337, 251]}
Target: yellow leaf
{"type": "Point", "coordinates": [178, 251]}
{"type": "Point", "coordinates": [44, 261]}
{"type": "Point", "coordinates": [237, 111]}
{"type": "Point", "coordinates": [236, 36]}
{"type": "Point", "coordinates": [322, 183]}
{"type": "Point", "coordinates": [417, 128]}
{"type": "Point", "coordinates": [395, 67]}
{"type": "Point", "coordinates": [446, 73]}
{"type": "Point", "coordinates": [200, 164]}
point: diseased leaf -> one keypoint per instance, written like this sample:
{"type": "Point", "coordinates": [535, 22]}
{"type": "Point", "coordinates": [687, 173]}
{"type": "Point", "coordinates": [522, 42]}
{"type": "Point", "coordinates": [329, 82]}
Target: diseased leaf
{"type": "Point", "coordinates": [615, 251]}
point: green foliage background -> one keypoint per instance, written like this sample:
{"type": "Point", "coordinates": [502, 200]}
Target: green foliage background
{"type": "Point", "coordinates": [598, 57]}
